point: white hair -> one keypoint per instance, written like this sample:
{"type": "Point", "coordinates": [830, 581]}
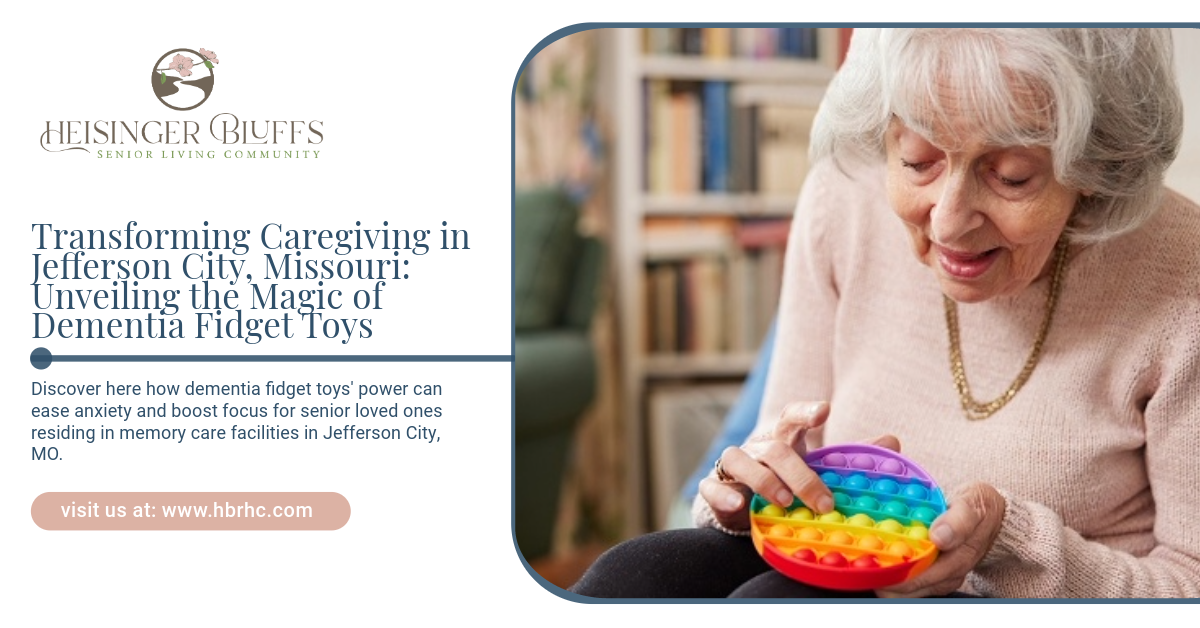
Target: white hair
{"type": "Point", "coordinates": [1104, 101]}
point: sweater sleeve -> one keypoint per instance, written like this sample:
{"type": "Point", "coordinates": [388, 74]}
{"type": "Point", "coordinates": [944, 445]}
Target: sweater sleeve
{"type": "Point", "coordinates": [1036, 555]}
{"type": "Point", "coordinates": [801, 364]}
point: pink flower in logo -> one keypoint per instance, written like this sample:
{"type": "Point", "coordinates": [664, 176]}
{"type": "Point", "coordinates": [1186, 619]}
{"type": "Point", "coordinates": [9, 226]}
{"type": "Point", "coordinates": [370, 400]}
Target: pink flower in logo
{"type": "Point", "coordinates": [210, 55]}
{"type": "Point", "coordinates": [183, 64]}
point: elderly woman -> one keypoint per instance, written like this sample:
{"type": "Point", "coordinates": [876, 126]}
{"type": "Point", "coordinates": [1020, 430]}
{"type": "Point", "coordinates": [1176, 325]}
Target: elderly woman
{"type": "Point", "coordinates": [994, 196]}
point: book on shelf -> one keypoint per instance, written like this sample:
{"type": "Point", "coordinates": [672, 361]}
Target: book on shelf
{"type": "Point", "coordinates": [782, 148]}
{"type": "Point", "coordinates": [715, 134]}
{"type": "Point", "coordinates": [717, 43]}
{"type": "Point", "coordinates": [718, 137]}
{"type": "Point", "coordinates": [727, 43]}
{"type": "Point", "coordinates": [711, 285]}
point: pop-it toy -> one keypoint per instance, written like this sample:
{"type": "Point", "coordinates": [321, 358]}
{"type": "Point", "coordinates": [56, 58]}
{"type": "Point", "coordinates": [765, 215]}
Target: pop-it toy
{"type": "Point", "coordinates": [878, 533]}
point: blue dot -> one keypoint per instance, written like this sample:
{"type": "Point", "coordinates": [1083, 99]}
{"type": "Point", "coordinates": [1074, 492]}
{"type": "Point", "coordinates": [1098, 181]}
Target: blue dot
{"type": "Point", "coordinates": [41, 358]}
{"type": "Point", "coordinates": [831, 479]}
{"type": "Point", "coordinates": [887, 486]}
{"type": "Point", "coordinates": [915, 491]}
{"type": "Point", "coordinates": [857, 480]}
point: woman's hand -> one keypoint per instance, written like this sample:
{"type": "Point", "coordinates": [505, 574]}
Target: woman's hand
{"type": "Point", "coordinates": [772, 465]}
{"type": "Point", "coordinates": [963, 535]}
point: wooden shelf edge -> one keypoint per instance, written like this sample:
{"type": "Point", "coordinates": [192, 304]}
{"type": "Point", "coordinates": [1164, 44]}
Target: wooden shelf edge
{"type": "Point", "coordinates": [701, 365]}
{"type": "Point", "coordinates": [718, 204]}
{"type": "Point", "coordinates": [679, 67]}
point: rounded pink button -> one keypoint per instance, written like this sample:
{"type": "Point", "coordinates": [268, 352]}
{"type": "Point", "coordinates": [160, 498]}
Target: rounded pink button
{"type": "Point", "coordinates": [190, 511]}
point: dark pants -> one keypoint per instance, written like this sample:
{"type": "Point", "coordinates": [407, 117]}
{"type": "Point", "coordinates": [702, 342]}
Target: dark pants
{"type": "Point", "coordinates": [692, 563]}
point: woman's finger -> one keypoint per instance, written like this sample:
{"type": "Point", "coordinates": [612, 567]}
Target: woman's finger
{"type": "Point", "coordinates": [887, 441]}
{"type": "Point", "coordinates": [747, 470]}
{"type": "Point", "coordinates": [729, 502]}
{"type": "Point", "coordinates": [800, 479]}
{"type": "Point", "coordinates": [935, 589]}
{"type": "Point", "coordinates": [795, 421]}
{"type": "Point", "coordinates": [945, 575]}
{"type": "Point", "coordinates": [966, 515]}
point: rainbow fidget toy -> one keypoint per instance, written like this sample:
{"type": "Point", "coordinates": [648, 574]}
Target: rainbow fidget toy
{"type": "Point", "coordinates": [878, 533]}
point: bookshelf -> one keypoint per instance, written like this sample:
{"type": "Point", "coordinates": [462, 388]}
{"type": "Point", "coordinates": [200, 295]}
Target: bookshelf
{"type": "Point", "coordinates": [653, 86]}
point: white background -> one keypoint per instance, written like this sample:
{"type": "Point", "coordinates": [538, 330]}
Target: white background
{"type": "Point", "coordinates": [415, 101]}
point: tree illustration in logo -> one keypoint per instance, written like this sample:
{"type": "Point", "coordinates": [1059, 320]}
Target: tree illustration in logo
{"type": "Point", "coordinates": [184, 81]}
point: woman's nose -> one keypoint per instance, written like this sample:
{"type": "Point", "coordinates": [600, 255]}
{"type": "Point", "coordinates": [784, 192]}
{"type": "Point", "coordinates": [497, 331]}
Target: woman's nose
{"type": "Point", "coordinates": [955, 212]}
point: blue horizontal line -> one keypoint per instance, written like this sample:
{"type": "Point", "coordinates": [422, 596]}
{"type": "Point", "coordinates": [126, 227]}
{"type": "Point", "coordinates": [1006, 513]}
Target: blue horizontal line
{"type": "Point", "coordinates": [283, 358]}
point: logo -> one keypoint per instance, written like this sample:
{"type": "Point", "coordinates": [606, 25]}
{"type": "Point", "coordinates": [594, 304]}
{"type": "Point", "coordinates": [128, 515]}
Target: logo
{"type": "Point", "coordinates": [183, 78]}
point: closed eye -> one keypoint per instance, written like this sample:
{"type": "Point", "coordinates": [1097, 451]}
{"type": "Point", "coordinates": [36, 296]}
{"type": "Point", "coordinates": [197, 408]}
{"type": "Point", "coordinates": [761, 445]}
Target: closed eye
{"type": "Point", "coordinates": [920, 166]}
{"type": "Point", "coordinates": [1012, 183]}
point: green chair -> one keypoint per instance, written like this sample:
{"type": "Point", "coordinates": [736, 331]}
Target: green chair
{"type": "Point", "coordinates": [557, 273]}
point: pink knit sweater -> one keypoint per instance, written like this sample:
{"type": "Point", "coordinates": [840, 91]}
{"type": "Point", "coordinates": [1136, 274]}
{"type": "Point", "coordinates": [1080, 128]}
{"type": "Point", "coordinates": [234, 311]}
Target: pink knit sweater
{"type": "Point", "coordinates": [1098, 455]}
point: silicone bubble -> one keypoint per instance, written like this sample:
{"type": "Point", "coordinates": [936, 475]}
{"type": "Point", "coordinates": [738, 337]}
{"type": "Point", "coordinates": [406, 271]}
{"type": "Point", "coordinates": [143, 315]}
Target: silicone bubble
{"type": "Point", "coordinates": [867, 502]}
{"type": "Point", "coordinates": [839, 537]}
{"type": "Point", "coordinates": [833, 559]}
{"type": "Point", "coordinates": [772, 510]}
{"type": "Point", "coordinates": [921, 533]}
{"type": "Point", "coordinates": [834, 460]}
{"type": "Point", "coordinates": [842, 499]}
{"type": "Point", "coordinates": [886, 486]}
{"type": "Point", "coordinates": [871, 542]}
{"type": "Point", "coordinates": [890, 525]}
{"type": "Point", "coordinates": [780, 530]}
{"type": "Point", "coordinates": [861, 520]}
{"type": "Point", "coordinates": [915, 491]}
{"type": "Point", "coordinates": [892, 466]}
{"type": "Point", "coordinates": [810, 534]}
{"type": "Point", "coordinates": [806, 555]}
{"type": "Point", "coordinates": [831, 479]}
{"type": "Point", "coordinates": [801, 513]}
{"type": "Point", "coordinates": [864, 462]}
{"type": "Point", "coordinates": [901, 549]}
{"type": "Point", "coordinates": [832, 517]}
{"type": "Point", "coordinates": [857, 481]}
{"type": "Point", "coordinates": [866, 561]}
{"type": "Point", "coordinates": [924, 514]}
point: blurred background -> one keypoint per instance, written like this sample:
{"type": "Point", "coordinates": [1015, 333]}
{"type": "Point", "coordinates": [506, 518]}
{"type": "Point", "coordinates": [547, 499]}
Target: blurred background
{"type": "Point", "coordinates": [656, 170]}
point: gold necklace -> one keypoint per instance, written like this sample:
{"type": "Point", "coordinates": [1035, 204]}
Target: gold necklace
{"type": "Point", "coordinates": [975, 410]}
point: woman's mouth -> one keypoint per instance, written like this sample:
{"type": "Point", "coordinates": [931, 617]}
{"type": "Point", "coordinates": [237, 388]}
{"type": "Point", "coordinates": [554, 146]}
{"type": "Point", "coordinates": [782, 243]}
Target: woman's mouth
{"type": "Point", "coordinates": [965, 264]}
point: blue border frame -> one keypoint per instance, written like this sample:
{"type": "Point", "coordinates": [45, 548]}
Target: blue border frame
{"type": "Point", "coordinates": [575, 597]}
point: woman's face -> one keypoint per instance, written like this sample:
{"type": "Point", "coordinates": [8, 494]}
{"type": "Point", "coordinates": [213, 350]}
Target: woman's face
{"type": "Point", "coordinates": [984, 218]}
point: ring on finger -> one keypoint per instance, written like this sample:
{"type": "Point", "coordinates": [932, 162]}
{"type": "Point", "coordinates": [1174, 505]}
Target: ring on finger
{"type": "Point", "coordinates": [722, 474]}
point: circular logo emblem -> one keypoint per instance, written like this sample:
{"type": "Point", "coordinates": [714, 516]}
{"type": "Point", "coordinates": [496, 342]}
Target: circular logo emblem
{"type": "Point", "coordinates": [183, 78]}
